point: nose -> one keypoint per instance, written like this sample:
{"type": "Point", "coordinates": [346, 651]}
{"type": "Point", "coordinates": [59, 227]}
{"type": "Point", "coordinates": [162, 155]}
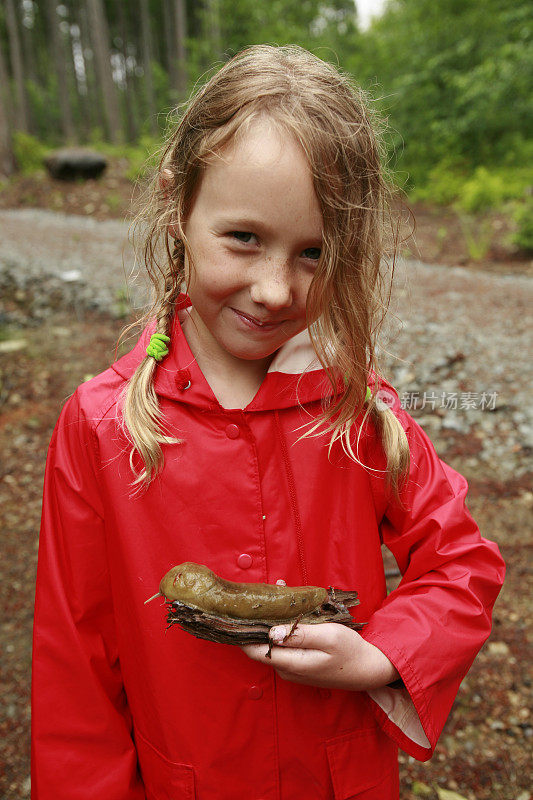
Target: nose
{"type": "Point", "coordinates": [271, 285]}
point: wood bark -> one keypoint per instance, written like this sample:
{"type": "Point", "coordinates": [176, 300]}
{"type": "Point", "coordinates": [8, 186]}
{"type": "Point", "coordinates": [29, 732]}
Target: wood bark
{"type": "Point", "coordinates": [28, 48]}
{"type": "Point", "coordinates": [214, 34]}
{"type": "Point", "coordinates": [17, 68]}
{"type": "Point", "coordinates": [130, 103]}
{"type": "Point", "coordinates": [180, 59]}
{"type": "Point", "coordinates": [7, 158]}
{"type": "Point", "coordinates": [168, 34]}
{"type": "Point", "coordinates": [147, 66]}
{"type": "Point", "coordinates": [91, 111]}
{"type": "Point", "coordinates": [100, 41]}
{"type": "Point", "coordinates": [59, 56]}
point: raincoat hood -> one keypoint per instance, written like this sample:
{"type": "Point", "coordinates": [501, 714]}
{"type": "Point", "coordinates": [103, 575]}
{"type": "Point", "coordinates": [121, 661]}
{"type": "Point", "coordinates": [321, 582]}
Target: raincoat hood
{"type": "Point", "coordinates": [295, 375]}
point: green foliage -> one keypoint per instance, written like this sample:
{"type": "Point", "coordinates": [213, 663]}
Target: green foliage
{"type": "Point", "coordinates": [142, 157]}
{"type": "Point", "coordinates": [113, 200]}
{"type": "Point", "coordinates": [421, 789]}
{"type": "Point", "coordinates": [477, 232]}
{"type": "Point", "coordinates": [29, 153]}
{"type": "Point", "coordinates": [44, 112]}
{"type": "Point", "coordinates": [523, 217]}
{"type": "Point", "coordinates": [443, 183]}
{"type": "Point", "coordinates": [450, 183]}
{"type": "Point", "coordinates": [309, 23]}
{"type": "Point", "coordinates": [161, 91]}
{"type": "Point", "coordinates": [453, 79]}
{"type": "Point", "coordinates": [485, 189]}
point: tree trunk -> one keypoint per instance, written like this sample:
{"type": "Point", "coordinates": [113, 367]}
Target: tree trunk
{"type": "Point", "coordinates": [130, 104]}
{"type": "Point", "coordinates": [28, 47]}
{"type": "Point", "coordinates": [7, 158]}
{"type": "Point", "coordinates": [214, 36]}
{"type": "Point", "coordinates": [180, 81]}
{"type": "Point", "coordinates": [100, 39]}
{"type": "Point", "coordinates": [168, 31]}
{"type": "Point", "coordinates": [60, 66]}
{"type": "Point", "coordinates": [147, 66]}
{"type": "Point", "coordinates": [21, 105]}
{"type": "Point", "coordinates": [91, 108]}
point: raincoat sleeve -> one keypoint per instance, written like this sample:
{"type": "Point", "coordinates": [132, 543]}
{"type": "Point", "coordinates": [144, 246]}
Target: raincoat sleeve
{"type": "Point", "coordinates": [432, 626]}
{"type": "Point", "coordinates": [82, 745]}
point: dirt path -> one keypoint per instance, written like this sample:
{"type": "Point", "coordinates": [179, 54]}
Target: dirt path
{"type": "Point", "coordinates": [465, 341]}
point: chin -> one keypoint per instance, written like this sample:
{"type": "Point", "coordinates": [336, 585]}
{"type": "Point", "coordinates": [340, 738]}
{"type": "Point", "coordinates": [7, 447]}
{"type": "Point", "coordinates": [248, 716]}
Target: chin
{"type": "Point", "coordinates": [254, 355]}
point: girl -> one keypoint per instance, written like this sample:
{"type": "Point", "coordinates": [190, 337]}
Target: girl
{"type": "Point", "coordinates": [249, 430]}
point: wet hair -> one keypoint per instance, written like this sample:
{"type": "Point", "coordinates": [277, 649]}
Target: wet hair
{"type": "Point", "coordinates": [341, 134]}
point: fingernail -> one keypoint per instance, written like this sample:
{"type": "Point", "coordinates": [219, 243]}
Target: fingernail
{"type": "Point", "coordinates": [278, 634]}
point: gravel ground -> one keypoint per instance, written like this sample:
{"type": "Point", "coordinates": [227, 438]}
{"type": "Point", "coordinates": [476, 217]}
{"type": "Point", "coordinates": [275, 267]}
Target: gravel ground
{"type": "Point", "coordinates": [462, 335]}
{"type": "Point", "coordinates": [93, 256]}
{"type": "Point", "coordinates": [462, 340]}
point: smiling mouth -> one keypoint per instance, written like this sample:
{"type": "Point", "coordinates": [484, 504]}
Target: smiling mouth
{"type": "Point", "coordinates": [258, 323]}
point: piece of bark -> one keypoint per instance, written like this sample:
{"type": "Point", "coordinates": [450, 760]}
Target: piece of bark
{"type": "Point", "coordinates": [228, 630]}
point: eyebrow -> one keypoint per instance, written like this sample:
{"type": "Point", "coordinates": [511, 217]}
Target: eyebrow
{"type": "Point", "coordinates": [240, 222]}
{"type": "Point", "coordinates": [244, 223]}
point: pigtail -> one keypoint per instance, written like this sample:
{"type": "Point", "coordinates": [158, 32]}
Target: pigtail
{"type": "Point", "coordinates": [142, 419]}
{"type": "Point", "coordinates": [395, 447]}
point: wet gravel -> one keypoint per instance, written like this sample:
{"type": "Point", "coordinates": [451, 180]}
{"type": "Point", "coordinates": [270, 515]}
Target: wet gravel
{"type": "Point", "coordinates": [460, 337]}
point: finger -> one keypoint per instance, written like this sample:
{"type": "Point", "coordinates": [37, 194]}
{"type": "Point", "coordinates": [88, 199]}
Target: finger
{"type": "Point", "coordinates": [257, 652]}
{"type": "Point", "coordinates": [304, 636]}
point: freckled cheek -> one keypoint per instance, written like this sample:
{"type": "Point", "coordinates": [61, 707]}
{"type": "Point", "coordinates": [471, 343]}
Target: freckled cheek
{"type": "Point", "coordinates": [302, 290]}
{"type": "Point", "coordinates": [215, 274]}
{"type": "Point", "coordinates": [224, 282]}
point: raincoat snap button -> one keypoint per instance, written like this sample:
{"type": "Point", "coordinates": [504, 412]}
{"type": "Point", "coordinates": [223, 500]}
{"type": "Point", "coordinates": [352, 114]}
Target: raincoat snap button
{"type": "Point", "coordinates": [232, 431]}
{"type": "Point", "coordinates": [255, 692]}
{"type": "Point", "coordinates": [244, 561]}
{"type": "Point", "coordinates": [183, 380]}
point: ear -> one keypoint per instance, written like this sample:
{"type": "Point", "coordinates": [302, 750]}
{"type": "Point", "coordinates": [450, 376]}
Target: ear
{"type": "Point", "coordinates": [165, 181]}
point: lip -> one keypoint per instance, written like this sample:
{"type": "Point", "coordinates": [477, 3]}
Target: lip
{"type": "Point", "coordinates": [257, 324]}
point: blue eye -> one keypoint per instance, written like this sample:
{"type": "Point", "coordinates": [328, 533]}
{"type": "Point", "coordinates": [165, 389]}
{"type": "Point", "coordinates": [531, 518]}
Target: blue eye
{"type": "Point", "coordinates": [313, 253]}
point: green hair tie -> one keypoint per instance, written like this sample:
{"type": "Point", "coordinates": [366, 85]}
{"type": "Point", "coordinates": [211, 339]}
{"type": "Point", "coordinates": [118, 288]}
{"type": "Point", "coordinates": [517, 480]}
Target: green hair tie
{"type": "Point", "coordinates": [368, 392]}
{"type": "Point", "coordinates": [157, 347]}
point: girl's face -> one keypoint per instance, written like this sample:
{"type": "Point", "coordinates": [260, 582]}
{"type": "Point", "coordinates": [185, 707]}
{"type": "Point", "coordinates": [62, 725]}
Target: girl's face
{"type": "Point", "coordinates": [255, 234]}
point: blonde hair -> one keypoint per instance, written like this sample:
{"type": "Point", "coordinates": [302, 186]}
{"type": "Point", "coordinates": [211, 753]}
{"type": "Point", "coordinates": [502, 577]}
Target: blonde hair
{"type": "Point", "coordinates": [340, 133]}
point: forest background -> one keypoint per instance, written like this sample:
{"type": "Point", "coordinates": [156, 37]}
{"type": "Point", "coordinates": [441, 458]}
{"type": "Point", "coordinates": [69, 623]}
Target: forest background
{"type": "Point", "coordinates": [451, 80]}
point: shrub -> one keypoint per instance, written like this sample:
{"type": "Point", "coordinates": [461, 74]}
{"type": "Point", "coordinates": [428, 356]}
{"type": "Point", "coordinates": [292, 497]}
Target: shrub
{"type": "Point", "coordinates": [29, 152]}
{"type": "Point", "coordinates": [523, 217]}
{"type": "Point", "coordinates": [442, 184]}
{"type": "Point", "coordinates": [490, 188]}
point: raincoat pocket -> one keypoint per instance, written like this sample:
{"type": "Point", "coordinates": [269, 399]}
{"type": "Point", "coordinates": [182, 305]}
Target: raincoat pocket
{"type": "Point", "coordinates": [163, 779]}
{"type": "Point", "coordinates": [363, 765]}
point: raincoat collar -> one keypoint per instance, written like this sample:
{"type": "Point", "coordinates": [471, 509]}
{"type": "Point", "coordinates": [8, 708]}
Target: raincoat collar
{"type": "Point", "coordinates": [295, 376]}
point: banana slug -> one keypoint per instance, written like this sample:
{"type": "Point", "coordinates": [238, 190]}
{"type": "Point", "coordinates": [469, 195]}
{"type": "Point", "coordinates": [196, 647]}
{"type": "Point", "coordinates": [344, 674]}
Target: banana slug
{"type": "Point", "coordinates": [199, 587]}
{"type": "Point", "coordinates": [210, 607]}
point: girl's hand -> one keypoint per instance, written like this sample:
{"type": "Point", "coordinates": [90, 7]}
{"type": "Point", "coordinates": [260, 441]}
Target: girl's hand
{"type": "Point", "coordinates": [326, 654]}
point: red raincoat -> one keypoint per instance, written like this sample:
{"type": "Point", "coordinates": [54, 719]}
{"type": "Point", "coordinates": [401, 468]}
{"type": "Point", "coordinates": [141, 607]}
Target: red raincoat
{"type": "Point", "coordinates": [124, 710]}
